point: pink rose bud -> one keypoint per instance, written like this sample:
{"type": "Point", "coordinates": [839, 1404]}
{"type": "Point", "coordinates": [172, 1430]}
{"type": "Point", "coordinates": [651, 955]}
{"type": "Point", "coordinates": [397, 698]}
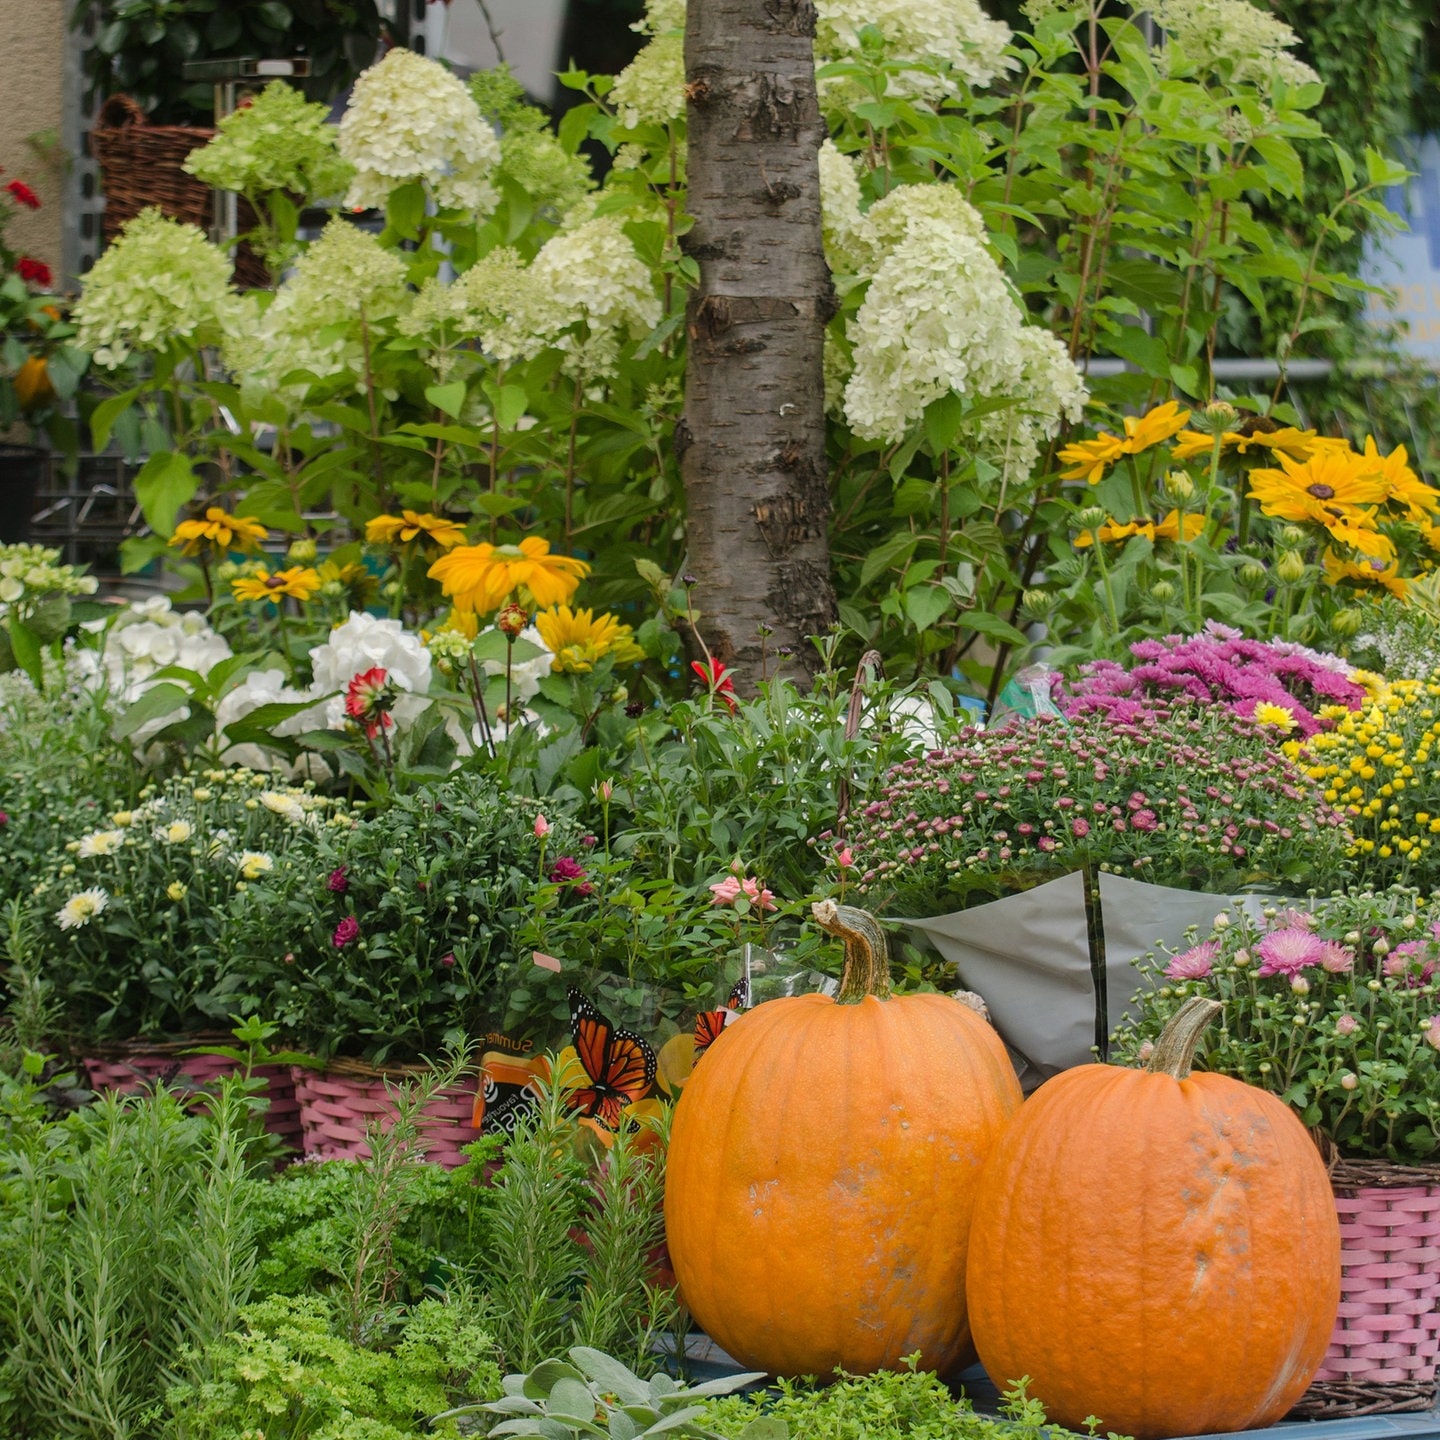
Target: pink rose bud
{"type": "Point", "coordinates": [1346, 1025]}
{"type": "Point", "coordinates": [542, 827]}
{"type": "Point", "coordinates": [844, 859]}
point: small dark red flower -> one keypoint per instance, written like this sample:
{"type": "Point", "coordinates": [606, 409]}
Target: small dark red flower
{"type": "Point", "coordinates": [448, 961]}
{"type": "Point", "coordinates": [718, 680]}
{"type": "Point", "coordinates": [346, 931]}
{"type": "Point", "coordinates": [368, 698]}
{"type": "Point", "coordinates": [23, 194]}
{"type": "Point", "coordinates": [567, 871]}
{"type": "Point", "coordinates": [338, 882]}
{"type": "Point", "coordinates": [34, 272]}
{"type": "Point", "coordinates": [4, 819]}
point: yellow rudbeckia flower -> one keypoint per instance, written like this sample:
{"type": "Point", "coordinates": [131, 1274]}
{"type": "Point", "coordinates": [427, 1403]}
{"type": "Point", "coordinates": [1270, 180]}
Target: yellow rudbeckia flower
{"type": "Point", "coordinates": [410, 525]}
{"type": "Point", "coordinates": [483, 577]}
{"type": "Point", "coordinates": [297, 583]}
{"type": "Point", "coordinates": [221, 531]}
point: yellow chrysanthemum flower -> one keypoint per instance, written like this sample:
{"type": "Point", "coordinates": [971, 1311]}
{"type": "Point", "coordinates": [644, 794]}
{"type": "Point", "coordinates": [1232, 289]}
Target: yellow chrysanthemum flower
{"type": "Point", "coordinates": [1090, 459]}
{"type": "Point", "coordinates": [408, 525]}
{"type": "Point", "coordinates": [297, 583]}
{"type": "Point", "coordinates": [483, 577]}
{"type": "Point", "coordinates": [1278, 717]}
{"type": "Point", "coordinates": [221, 532]}
{"type": "Point", "coordinates": [578, 639]}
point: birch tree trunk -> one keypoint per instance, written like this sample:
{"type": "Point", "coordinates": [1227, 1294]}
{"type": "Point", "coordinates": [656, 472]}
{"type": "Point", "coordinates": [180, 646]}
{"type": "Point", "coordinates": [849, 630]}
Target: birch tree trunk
{"type": "Point", "coordinates": [752, 441]}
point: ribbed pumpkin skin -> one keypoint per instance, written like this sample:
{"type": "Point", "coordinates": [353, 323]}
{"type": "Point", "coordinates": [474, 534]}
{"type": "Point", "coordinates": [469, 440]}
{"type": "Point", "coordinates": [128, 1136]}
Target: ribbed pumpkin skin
{"type": "Point", "coordinates": [822, 1170]}
{"type": "Point", "coordinates": [1161, 1253]}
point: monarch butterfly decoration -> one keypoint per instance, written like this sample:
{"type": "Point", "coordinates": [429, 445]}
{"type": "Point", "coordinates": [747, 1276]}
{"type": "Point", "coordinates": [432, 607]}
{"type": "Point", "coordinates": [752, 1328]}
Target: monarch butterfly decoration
{"type": "Point", "coordinates": [619, 1066]}
{"type": "Point", "coordinates": [709, 1023]}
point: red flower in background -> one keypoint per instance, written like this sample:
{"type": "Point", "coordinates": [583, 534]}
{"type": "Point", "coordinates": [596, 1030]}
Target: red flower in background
{"type": "Point", "coordinates": [368, 698]}
{"type": "Point", "coordinates": [345, 932]}
{"type": "Point", "coordinates": [718, 680]}
{"type": "Point", "coordinates": [34, 272]}
{"type": "Point", "coordinates": [23, 194]}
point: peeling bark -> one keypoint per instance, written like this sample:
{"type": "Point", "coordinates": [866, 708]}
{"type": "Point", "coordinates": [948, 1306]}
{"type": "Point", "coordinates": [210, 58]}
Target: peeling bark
{"type": "Point", "coordinates": [752, 443]}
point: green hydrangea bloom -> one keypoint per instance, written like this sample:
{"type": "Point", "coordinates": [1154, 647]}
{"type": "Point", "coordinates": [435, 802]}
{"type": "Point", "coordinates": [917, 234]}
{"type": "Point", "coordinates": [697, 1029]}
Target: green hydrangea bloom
{"type": "Point", "coordinates": [279, 141]}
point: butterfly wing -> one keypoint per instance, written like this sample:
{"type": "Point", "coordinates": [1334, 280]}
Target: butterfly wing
{"type": "Point", "coordinates": [740, 995]}
{"type": "Point", "coordinates": [620, 1065]}
{"type": "Point", "coordinates": [708, 1025]}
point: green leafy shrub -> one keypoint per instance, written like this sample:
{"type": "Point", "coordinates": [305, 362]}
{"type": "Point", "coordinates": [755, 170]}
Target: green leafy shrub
{"type": "Point", "coordinates": [287, 1373]}
{"type": "Point", "coordinates": [384, 940]}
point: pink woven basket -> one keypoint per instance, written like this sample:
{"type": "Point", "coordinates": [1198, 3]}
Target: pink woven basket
{"type": "Point", "coordinates": [1383, 1353]}
{"type": "Point", "coordinates": [130, 1071]}
{"type": "Point", "coordinates": [338, 1105]}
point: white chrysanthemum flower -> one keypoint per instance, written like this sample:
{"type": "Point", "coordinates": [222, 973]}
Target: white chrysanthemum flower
{"type": "Point", "coordinates": [360, 644]}
{"type": "Point", "coordinates": [279, 803]}
{"type": "Point", "coordinates": [411, 119]}
{"type": "Point", "coordinates": [650, 90]}
{"type": "Point", "coordinates": [844, 224]}
{"type": "Point", "coordinates": [939, 34]}
{"type": "Point", "coordinates": [79, 910]}
{"type": "Point", "coordinates": [161, 282]}
{"type": "Point", "coordinates": [252, 864]}
{"type": "Point", "coordinates": [177, 832]}
{"type": "Point", "coordinates": [1207, 32]}
{"type": "Point", "coordinates": [100, 842]}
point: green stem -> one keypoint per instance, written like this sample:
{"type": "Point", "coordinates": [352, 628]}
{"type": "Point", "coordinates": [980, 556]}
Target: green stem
{"type": "Point", "coordinates": [867, 958]}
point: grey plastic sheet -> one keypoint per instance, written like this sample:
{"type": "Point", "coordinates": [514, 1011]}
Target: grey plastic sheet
{"type": "Point", "coordinates": [1029, 957]}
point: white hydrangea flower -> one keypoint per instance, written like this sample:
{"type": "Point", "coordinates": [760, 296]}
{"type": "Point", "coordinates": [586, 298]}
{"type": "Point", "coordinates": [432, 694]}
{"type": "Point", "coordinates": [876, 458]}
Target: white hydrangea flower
{"type": "Point", "coordinates": [1051, 390]}
{"type": "Point", "coordinates": [844, 224]}
{"type": "Point", "coordinates": [956, 34]}
{"type": "Point", "coordinates": [911, 208]}
{"type": "Point", "coordinates": [440, 315]}
{"type": "Point", "coordinates": [360, 644]}
{"type": "Point", "coordinates": [650, 90]}
{"type": "Point", "coordinates": [313, 323]}
{"type": "Point", "coordinates": [1207, 32]}
{"type": "Point", "coordinates": [268, 687]}
{"type": "Point", "coordinates": [28, 573]}
{"type": "Point", "coordinates": [160, 282]}
{"type": "Point", "coordinates": [410, 119]}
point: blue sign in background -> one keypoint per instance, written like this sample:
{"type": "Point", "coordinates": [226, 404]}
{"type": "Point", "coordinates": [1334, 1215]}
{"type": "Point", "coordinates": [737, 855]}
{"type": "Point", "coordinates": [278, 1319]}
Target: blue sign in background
{"type": "Point", "coordinates": [1407, 265]}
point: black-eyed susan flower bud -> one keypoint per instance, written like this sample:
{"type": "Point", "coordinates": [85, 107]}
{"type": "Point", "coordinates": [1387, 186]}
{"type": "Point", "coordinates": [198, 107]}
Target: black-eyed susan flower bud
{"type": "Point", "coordinates": [1163, 591]}
{"type": "Point", "coordinates": [1092, 517]}
{"type": "Point", "coordinates": [1179, 485]}
{"type": "Point", "coordinates": [1347, 622]}
{"type": "Point", "coordinates": [1036, 600]}
{"type": "Point", "coordinates": [303, 552]}
{"type": "Point", "coordinates": [1293, 535]}
{"type": "Point", "coordinates": [1290, 567]}
{"type": "Point", "coordinates": [1253, 574]}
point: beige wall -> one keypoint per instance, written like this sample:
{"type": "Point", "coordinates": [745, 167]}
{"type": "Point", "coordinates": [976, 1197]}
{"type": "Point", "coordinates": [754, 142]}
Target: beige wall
{"type": "Point", "coordinates": [32, 49]}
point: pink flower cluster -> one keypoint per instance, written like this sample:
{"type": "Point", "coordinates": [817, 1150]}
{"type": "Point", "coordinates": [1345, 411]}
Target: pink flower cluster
{"type": "Point", "coordinates": [1218, 667]}
{"type": "Point", "coordinates": [726, 891]}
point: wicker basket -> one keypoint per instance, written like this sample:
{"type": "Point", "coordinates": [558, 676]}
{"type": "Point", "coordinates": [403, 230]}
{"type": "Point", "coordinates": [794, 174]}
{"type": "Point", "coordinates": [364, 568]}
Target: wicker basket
{"type": "Point", "coordinates": [128, 1069]}
{"type": "Point", "coordinates": [1383, 1353]}
{"type": "Point", "coordinates": [338, 1105]}
{"type": "Point", "coordinates": [143, 164]}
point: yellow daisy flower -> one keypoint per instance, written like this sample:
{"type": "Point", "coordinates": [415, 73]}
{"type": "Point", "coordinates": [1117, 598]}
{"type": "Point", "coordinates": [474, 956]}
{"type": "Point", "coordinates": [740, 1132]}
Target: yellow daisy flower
{"type": "Point", "coordinates": [408, 525]}
{"type": "Point", "coordinates": [299, 584]}
{"type": "Point", "coordinates": [1403, 486]}
{"type": "Point", "coordinates": [1112, 532]}
{"type": "Point", "coordinates": [1169, 527]}
{"type": "Point", "coordinates": [1298, 444]}
{"type": "Point", "coordinates": [1154, 427]}
{"type": "Point", "coordinates": [221, 531]}
{"type": "Point", "coordinates": [1366, 572]}
{"type": "Point", "coordinates": [483, 577]}
{"type": "Point", "coordinates": [578, 638]}
{"type": "Point", "coordinates": [1329, 489]}
{"type": "Point", "coordinates": [1089, 459]}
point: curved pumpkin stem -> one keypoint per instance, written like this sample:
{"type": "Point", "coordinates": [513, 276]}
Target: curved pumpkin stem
{"type": "Point", "coordinates": [867, 959]}
{"type": "Point", "coordinates": [1175, 1049]}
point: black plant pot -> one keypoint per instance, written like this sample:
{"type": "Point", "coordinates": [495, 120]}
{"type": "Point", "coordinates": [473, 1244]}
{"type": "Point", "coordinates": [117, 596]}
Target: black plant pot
{"type": "Point", "coordinates": [22, 473]}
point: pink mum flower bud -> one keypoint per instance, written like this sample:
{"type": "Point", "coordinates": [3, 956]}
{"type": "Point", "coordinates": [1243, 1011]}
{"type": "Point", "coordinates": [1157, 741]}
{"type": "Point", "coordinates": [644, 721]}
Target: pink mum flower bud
{"type": "Point", "coordinates": [542, 827]}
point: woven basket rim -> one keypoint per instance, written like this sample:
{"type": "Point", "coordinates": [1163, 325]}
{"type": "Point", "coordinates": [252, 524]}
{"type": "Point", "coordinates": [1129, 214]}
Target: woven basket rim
{"type": "Point", "coordinates": [1348, 1175]}
{"type": "Point", "coordinates": [130, 1049]}
{"type": "Point", "coordinates": [124, 112]}
{"type": "Point", "coordinates": [351, 1069]}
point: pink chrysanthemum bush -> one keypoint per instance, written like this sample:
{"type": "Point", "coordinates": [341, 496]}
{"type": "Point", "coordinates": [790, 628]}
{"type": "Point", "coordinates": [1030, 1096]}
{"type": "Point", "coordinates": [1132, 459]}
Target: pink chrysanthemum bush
{"type": "Point", "coordinates": [1330, 1004]}
{"type": "Point", "coordinates": [1184, 795]}
{"type": "Point", "coordinates": [1277, 682]}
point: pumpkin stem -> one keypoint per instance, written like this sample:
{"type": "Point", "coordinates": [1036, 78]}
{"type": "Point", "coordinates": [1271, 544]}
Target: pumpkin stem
{"type": "Point", "coordinates": [867, 959]}
{"type": "Point", "coordinates": [1175, 1049]}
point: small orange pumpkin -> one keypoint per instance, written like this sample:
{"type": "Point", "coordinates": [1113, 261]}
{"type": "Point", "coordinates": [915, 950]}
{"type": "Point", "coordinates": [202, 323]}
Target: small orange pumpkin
{"type": "Point", "coordinates": [1156, 1248]}
{"type": "Point", "coordinates": [33, 387]}
{"type": "Point", "coordinates": [822, 1168]}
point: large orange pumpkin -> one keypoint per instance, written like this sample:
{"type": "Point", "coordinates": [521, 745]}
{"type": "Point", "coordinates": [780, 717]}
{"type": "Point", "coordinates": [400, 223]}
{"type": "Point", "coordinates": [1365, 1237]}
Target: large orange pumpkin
{"type": "Point", "coordinates": [1156, 1248]}
{"type": "Point", "coordinates": [822, 1168]}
